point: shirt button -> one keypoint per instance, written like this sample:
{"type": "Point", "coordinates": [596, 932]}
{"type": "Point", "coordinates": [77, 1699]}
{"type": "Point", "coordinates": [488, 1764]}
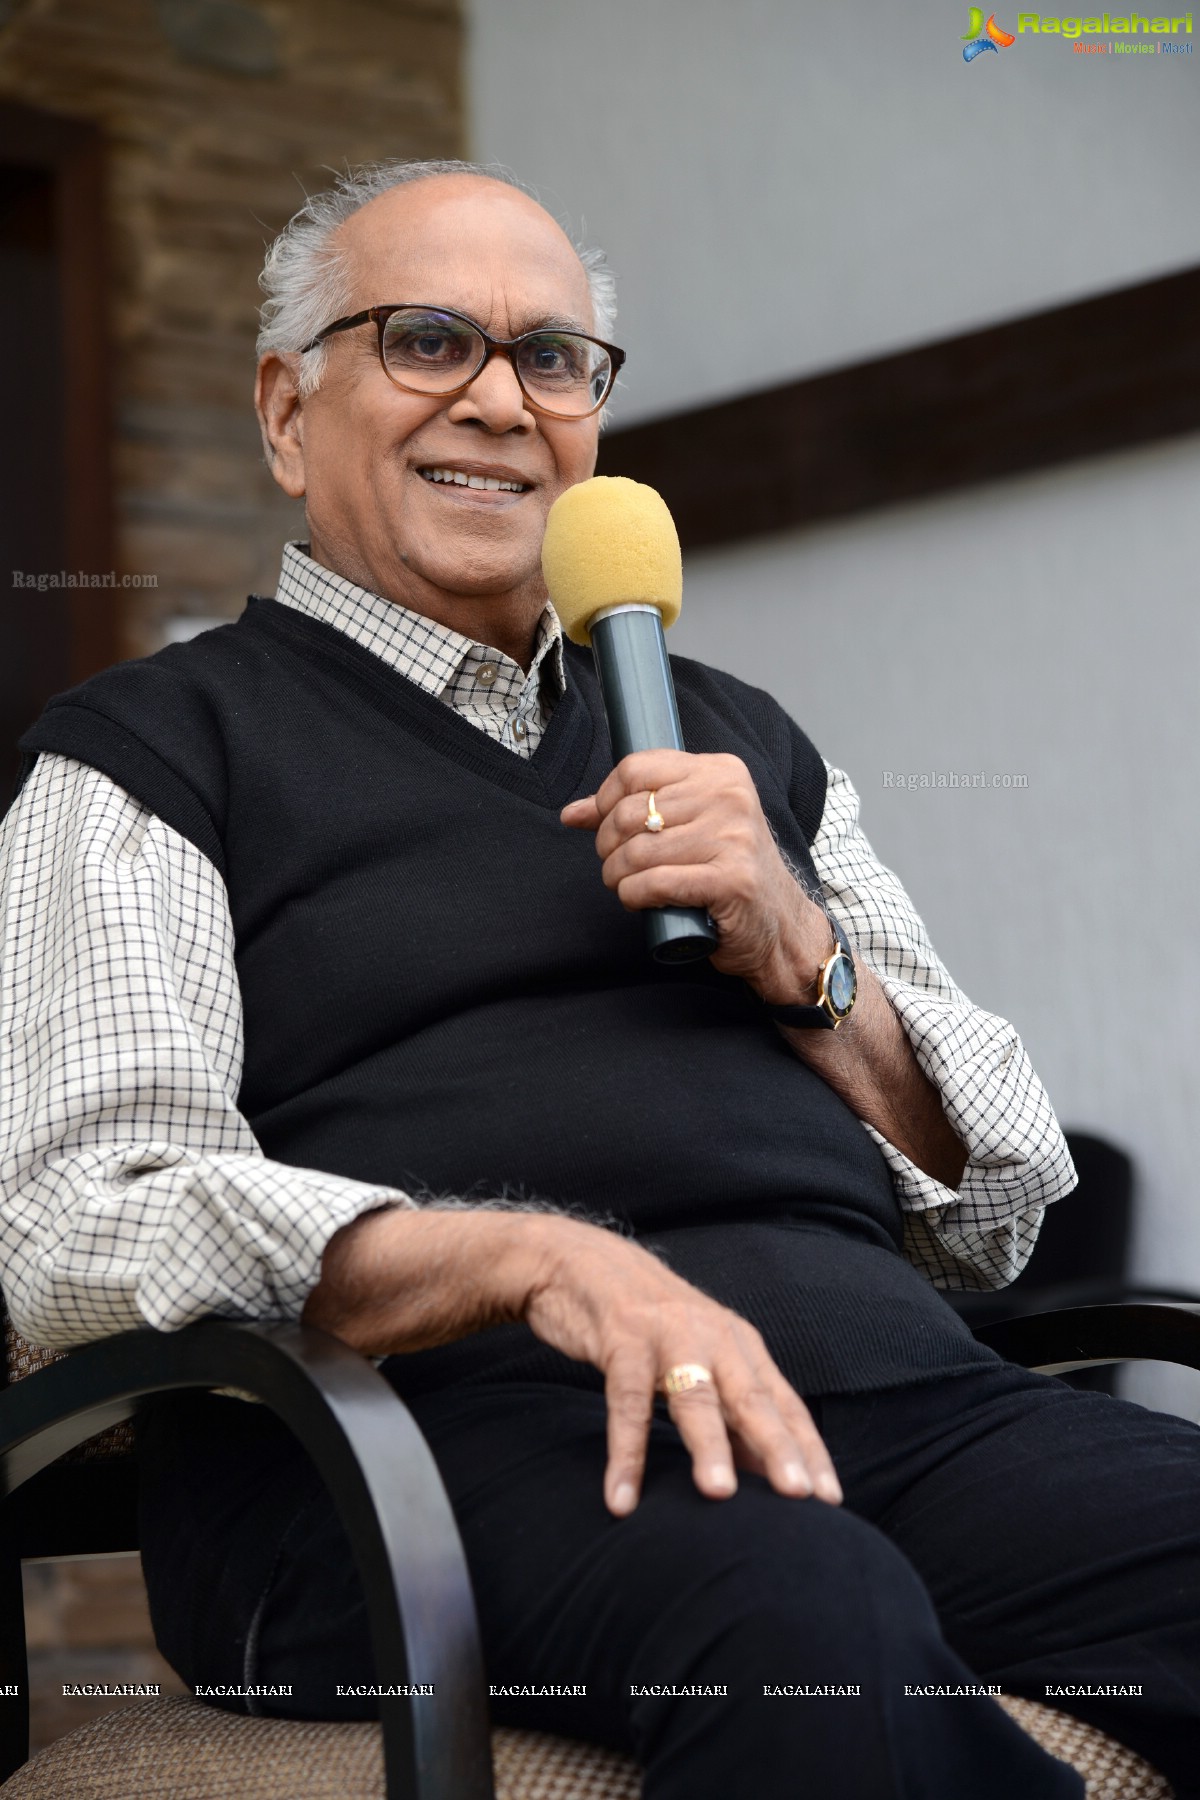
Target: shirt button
{"type": "Point", "coordinates": [486, 673]}
{"type": "Point", "coordinates": [518, 729]}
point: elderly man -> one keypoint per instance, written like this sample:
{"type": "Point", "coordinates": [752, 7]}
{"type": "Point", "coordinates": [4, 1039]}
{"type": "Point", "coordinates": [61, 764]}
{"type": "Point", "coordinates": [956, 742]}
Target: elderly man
{"type": "Point", "coordinates": [318, 1003]}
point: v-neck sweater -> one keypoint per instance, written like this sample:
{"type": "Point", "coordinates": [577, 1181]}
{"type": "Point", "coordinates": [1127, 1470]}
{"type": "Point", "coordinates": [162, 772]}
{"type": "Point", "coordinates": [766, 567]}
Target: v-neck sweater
{"type": "Point", "coordinates": [440, 994]}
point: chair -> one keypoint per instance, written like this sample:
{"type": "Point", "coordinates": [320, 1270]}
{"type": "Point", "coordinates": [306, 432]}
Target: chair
{"type": "Point", "coordinates": [69, 1491]}
{"type": "Point", "coordinates": [1082, 1254]}
{"type": "Point", "coordinates": [1081, 1257]}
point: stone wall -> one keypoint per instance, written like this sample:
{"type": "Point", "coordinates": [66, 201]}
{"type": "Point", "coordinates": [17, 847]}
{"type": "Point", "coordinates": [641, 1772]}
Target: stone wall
{"type": "Point", "coordinates": [88, 1623]}
{"type": "Point", "coordinates": [218, 117]}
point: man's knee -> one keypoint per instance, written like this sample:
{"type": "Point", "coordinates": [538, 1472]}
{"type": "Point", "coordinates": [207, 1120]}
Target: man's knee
{"type": "Point", "coordinates": [782, 1635]}
{"type": "Point", "coordinates": [776, 1585]}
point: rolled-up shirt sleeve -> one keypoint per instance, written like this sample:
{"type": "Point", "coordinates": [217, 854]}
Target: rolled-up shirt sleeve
{"type": "Point", "coordinates": [132, 1190]}
{"type": "Point", "coordinates": [980, 1234]}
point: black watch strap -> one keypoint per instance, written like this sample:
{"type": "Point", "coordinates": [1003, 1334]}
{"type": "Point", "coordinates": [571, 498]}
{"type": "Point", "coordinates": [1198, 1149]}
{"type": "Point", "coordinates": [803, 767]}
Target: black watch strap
{"type": "Point", "coordinates": [807, 1018]}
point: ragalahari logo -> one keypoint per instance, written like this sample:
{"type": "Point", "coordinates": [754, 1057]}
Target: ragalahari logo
{"type": "Point", "coordinates": [993, 39]}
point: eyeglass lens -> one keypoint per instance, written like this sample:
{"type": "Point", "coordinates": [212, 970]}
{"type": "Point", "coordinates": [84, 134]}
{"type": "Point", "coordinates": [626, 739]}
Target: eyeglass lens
{"type": "Point", "coordinates": [434, 353]}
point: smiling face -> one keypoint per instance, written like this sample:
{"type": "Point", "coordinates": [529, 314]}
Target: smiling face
{"type": "Point", "coordinates": [363, 452]}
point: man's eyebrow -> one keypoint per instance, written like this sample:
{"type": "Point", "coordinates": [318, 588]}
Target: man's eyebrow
{"type": "Point", "coordinates": [553, 322]}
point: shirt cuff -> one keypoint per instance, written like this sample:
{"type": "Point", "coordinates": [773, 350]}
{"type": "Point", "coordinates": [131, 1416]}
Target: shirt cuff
{"type": "Point", "coordinates": [266, 1229]}
{"type": "Point", "coordinates": [1017, 1157]}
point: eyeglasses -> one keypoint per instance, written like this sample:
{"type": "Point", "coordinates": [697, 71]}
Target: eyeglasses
{"type": "Point", "coordinates": [431, 350]}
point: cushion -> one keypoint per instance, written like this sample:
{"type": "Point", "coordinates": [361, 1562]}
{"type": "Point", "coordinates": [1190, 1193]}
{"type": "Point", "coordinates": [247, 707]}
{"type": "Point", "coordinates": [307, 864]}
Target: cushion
{"type": "Point", "coordinates": [21, 1358]}
{"type": "Point", "coordinates": [1111, 1771]}
{"type": "Point", "coordinates": [181, 1749]}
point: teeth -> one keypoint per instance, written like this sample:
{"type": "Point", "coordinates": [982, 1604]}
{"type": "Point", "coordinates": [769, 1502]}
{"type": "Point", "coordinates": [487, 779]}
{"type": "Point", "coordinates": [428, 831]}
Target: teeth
{"type": "Point", "coordinates": [491, 483]}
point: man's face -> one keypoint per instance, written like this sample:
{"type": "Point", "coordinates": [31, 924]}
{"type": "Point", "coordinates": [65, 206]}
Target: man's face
{"type": "Point", "coordinates": [359, 449]}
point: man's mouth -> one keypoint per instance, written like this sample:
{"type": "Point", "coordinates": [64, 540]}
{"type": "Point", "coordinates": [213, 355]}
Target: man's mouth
{"type": "Point", "coordinates": [491, 484]}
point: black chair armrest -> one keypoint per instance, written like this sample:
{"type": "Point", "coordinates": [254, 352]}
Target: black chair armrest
{"type": "Point", "coordinates": [366, 1446]}
{"type": "Point", "coordinates": [1082, 1337]}
{"type": "Point", "coordinates": [987, 1306]}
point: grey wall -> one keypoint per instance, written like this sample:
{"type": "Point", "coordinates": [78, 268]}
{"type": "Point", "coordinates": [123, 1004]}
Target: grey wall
{"type": "Point", "coordinates": [785, 187]}
{"type": "Point", "coordinates": [1046, 628]}
{"type": "Point", "coordinates": [839, 166]}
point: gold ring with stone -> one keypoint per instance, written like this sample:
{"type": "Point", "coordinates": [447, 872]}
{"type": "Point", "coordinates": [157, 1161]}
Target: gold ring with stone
{"type": "Point", "coordinates": [654, 819]}
{"type": "Point", "coordinates": [685, 1376]}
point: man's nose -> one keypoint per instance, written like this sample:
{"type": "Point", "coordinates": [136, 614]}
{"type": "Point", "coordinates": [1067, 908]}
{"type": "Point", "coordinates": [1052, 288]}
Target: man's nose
{"type": "Point", "coordinates": [495, 398]}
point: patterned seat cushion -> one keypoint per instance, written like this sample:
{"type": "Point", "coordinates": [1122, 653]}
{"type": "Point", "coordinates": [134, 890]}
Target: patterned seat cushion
{"type": "Point", "coordinates": [21, 1358]}
{"type": "Point", "coordinates": [180, 1749]}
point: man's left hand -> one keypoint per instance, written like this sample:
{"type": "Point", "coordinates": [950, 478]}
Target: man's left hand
{"type": "Point", "coordinates": [716, 851]}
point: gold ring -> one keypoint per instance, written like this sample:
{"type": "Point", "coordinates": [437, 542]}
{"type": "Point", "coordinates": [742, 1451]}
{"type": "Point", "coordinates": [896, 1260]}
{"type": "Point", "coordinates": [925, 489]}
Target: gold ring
{"type": "Point", "coordinates": [685, 1376]}
{"type": "Point", "coordinates": [654, 819]}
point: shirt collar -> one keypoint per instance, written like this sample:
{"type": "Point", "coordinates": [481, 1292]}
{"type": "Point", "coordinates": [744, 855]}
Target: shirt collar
{"type": "Point", "coordinates": [423, 650]}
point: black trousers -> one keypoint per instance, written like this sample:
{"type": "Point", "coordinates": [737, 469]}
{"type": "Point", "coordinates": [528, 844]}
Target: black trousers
{"type": "Point", "coordinates": [998, 1528]}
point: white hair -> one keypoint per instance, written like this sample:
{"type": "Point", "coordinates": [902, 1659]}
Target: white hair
{"type": "Point", "coordinates": [306, 278]}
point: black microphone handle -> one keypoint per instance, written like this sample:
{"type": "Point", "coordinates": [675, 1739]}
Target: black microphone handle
{"type": "Point", "coordinates": [639, 701]}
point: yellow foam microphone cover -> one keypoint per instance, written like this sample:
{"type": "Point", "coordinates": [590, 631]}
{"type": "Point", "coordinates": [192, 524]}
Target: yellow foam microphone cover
{"type": "Point", "coordinates": [610, 541]}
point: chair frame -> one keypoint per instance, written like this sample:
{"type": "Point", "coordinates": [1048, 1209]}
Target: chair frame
{"type": "Point", "coordinates": [380, 1473]}
{"type": "Point", "coordinates": [383, 1480]}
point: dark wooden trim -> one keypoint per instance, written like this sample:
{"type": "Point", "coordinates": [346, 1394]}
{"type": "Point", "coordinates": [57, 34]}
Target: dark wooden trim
{"type": "Point", "coordinates": [72, 152]}
{"type": "Point", "coordinates": [34, 139]}
{"type": "Point", "coordinates": [1099, 375]}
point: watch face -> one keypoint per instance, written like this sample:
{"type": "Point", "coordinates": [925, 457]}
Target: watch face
{"type": "Point", "coordinates": [841, 985]}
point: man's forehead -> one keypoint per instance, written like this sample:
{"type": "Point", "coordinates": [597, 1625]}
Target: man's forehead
{"type": "Point", "coordinates": [476, 240]}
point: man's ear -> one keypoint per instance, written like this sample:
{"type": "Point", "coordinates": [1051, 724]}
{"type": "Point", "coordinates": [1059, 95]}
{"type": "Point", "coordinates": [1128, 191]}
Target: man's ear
{"type": "Point", "coordinates": [280, 418]}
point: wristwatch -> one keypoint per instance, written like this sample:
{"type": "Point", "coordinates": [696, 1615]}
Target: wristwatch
{"type": "Point", "coordinates": [837, 990]}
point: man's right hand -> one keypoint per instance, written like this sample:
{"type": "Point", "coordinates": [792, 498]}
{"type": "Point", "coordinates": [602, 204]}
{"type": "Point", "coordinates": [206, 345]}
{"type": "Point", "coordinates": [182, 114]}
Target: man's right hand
{"type": "Point", "coordinates": [405, 1280]}
{"type": "Point", "coordinates": [605, 1300]}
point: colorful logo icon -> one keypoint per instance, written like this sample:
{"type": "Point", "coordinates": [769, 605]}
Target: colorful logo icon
{"type": "Point", "coordinates": [994, 38]}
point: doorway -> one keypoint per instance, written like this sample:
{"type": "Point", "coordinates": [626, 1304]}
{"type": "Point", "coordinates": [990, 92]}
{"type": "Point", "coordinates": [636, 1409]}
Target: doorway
{"type": "Point", "coordinates": [55, 488]}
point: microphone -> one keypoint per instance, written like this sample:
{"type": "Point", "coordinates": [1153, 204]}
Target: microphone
{"type": "Point", "coordinates": [614, 571]}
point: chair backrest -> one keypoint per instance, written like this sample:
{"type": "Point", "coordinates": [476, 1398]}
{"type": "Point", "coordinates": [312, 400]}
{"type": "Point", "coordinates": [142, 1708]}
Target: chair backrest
{"type": "Point", "coordinates": [1086, 1236]}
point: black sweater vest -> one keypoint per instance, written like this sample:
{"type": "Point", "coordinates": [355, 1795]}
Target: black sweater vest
{"type": "Point", "coordinates": [440, 994]}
